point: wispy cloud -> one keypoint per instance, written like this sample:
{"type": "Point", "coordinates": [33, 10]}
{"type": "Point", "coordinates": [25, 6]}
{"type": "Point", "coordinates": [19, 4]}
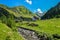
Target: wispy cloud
{"type": "Point", "coordinates": [39, 10]}
{"type": "Point", "coordinates": [28, 1]}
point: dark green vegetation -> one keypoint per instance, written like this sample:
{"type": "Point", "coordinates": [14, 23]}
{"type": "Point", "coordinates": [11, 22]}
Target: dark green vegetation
{"type": "Point", "coordinates": [54, 12]}
{"type": "Point", "coordinates": [20, 16]}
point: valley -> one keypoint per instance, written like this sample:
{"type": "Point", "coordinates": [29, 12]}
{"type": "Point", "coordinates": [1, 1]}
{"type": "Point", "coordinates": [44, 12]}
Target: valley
{"type": "Point", "coordinates": [19, 23]}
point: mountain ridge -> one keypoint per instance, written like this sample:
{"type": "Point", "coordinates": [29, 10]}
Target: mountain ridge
{"type": "Point", "coordinates": [54, 12]}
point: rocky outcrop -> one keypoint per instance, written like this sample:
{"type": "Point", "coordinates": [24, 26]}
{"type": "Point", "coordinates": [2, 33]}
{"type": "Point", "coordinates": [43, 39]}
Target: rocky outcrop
{"type": "Point", "coordinates": [28, 34]}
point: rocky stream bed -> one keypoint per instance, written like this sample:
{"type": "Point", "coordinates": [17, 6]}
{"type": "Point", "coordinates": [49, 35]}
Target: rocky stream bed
{"type": "Point", "coordinates": [29, 34]}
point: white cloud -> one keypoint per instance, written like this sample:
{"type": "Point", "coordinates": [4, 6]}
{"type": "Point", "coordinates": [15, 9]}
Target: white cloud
{"type": "Point", "coordinates": [39, 10]}
{"type": "Point", "coordinates": [28, 1]}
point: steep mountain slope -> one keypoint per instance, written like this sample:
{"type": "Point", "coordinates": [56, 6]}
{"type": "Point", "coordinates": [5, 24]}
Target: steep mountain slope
{"type": "Point", "coordinates": [54, 12]}
{"type": "Point", "coordinates": [19, 12]}
{"type": "Point", "coordinates": [4, 12]}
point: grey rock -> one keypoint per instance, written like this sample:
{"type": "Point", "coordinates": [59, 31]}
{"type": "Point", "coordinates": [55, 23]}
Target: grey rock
{"type": "Point", "coordinates": [28, 34]}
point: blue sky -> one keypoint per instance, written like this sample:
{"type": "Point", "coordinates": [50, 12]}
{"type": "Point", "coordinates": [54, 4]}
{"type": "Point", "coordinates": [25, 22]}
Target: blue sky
{"type": "Point", "coordinates": [33, 5]}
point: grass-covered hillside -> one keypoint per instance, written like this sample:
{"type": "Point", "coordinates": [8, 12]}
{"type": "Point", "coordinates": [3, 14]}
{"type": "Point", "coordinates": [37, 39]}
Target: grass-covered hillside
{"type": "Point", "coordinates": [22, 11]}
{"type": "Point", "coordinates": [51, 26]}
{"type": "Point", "coordinates": [18, 11]}
{"type": "Point", "coordinates": [44, 27]}
{"type": "Point", "coordinates": [7, 34]}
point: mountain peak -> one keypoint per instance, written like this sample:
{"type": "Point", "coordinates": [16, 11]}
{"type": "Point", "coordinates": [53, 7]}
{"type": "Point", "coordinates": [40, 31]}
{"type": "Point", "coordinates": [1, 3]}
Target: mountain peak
{"type": "Point", "coordinates": [39, 10]}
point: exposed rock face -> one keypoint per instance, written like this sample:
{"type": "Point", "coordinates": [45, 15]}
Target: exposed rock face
{"type": "Point", "coordinates": [28, 34]}
{"type": "Point", "coordinates": [35, 18]}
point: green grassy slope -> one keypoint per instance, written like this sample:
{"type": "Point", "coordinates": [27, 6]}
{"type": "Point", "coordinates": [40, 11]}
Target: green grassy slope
{"type": "Point", "coordinates": [18, 11]}
{"type": "Point", "coordinates": [22, 11]}
{"type": "Point", "coordinates": [51, 26]}
{"type": "Point", "coordinates": [7, 34]}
